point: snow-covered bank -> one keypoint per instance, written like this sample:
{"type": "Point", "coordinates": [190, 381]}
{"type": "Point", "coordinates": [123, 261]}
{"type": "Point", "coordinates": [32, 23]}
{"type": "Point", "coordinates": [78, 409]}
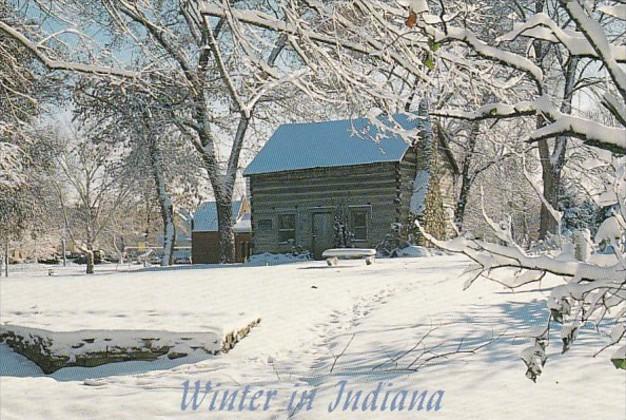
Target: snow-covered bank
{"type": "Point", "coordinates": [52, 350]}
{"type": "Point", "coordinates": [320, 325]}
{"type": "Point", "coordinates": [16, 365]}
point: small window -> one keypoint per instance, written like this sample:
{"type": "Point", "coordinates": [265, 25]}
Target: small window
{"type": "Point", "coordinates": [265, 225]}
{"type": "Point", "coordinates": [359, 225]}
{"type": "Point", "coordinates": [286, 228]}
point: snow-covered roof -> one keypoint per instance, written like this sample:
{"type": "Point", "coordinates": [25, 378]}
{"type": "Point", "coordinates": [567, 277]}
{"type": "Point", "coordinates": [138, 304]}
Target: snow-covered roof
{"type": "Point", "coordinates": [244, 223]}
{"type": "Point", "coordinates": [205, 218]}
{"type": "Point", "coordinates": [335, 143]}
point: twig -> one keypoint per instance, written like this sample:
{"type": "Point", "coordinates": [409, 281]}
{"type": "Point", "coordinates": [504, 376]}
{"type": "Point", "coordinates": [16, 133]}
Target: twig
{"type": "Point", "coordinates": [342, 352]}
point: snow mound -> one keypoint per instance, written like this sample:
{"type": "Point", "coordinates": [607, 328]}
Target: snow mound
{"type": "Point", "coordinates": [267, 258]}
{"type": "Point", "coordinates": [412, 251]}
{"type": "Point", "coordinates": [611, 229]}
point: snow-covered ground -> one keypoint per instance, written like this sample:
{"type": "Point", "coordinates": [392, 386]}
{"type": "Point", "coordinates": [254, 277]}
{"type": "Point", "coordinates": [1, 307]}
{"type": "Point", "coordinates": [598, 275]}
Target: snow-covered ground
{"type": "Point", "coordinates": [370, 326]}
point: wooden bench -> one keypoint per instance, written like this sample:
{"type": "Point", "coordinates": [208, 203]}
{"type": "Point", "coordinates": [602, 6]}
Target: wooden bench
{"type": "Point", "coordinates": [333, 255]}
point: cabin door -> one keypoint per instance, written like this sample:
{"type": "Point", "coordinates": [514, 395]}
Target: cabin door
{"type": "Point", "coordinates": [322, 233]}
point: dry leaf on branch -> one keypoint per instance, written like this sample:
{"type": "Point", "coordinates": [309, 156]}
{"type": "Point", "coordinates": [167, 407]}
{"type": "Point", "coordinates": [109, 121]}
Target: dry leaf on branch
{"type": "Point", "coordinates": [411, 21]}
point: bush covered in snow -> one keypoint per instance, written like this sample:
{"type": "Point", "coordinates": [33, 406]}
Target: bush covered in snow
{"type": "Point", "coordinates": [411, 251]}
{"type": "Point", "coordinates": [267, 258]}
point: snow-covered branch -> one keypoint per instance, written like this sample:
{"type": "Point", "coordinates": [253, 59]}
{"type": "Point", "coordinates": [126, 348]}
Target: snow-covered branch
{"type": "Point", "coordinates": [267, 21]}
{"type": "Point", "coordinates": [10, 166]}
{"type": "Point", "coordinates": [51, 63]}
{"type": "Point", "coordinates": [467, 37]}
{"type": "Point", "coordinates": [542, 27]}
{"type": "Point", "coordinates": [559, 124]}
{"type": "Point", "coordinates": [594, 33]}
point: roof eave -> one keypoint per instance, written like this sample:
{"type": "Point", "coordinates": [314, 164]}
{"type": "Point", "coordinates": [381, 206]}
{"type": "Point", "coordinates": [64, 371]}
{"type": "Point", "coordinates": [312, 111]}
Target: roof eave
{"type": "Point", "coordinates": [397, 160]}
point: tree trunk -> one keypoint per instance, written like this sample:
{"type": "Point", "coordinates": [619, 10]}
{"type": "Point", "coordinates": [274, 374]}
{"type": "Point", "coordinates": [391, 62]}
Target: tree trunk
{"type": "Point", "coordinates": [222, 183]}
{"type": "Point", "coordinates": [551, 191]}
{"type": "Point", "coordinates": [63, 251]}
{"type": "Point", "coordinates": [90, 260]}
{"type": "Point", "coordinates": [553, 161]}
{"type": "Point", "coordinates": [461, 204]}
{"type": "Point", "coordinates": [5, 260]}
{"type": "Point", "coordinates": [525, 229]}
{"type": "Point", "coordinates": [466, 177]}
{"type": "Point", "coordinates": [169, 231]}
{"type": "Point", "coordinates": [225, 227]}
{"type": "Point", "coordinates": [165, 203]}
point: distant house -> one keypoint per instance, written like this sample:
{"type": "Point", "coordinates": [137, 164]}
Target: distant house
{"type": "Point", "coordinates": [313, 182]}
{"type": "Point", "coordinates": [205, 236]}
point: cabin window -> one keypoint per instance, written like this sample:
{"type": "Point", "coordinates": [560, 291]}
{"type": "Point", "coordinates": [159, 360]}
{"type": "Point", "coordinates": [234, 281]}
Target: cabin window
{"type": "Point", "coordinates": [359, 224]}
{"type": "Point", "coordinates": [286, 227]}
{"type": "Point", "coordinates": [265, 225]}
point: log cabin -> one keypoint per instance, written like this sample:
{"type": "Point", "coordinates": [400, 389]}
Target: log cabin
{"type": "Point", "coordinates": [348, 183]}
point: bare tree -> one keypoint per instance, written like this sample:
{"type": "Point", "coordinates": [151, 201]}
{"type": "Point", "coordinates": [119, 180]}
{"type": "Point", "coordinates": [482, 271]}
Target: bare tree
{"type": "Point", "coordinates": [91, 188]}
{"type": "Point", "coordinates": [134, 118]}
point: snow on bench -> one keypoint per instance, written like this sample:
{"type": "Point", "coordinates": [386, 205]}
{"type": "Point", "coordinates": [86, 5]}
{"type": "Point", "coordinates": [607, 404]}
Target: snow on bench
{"type": "Point", "coordinates": [332, 255]}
